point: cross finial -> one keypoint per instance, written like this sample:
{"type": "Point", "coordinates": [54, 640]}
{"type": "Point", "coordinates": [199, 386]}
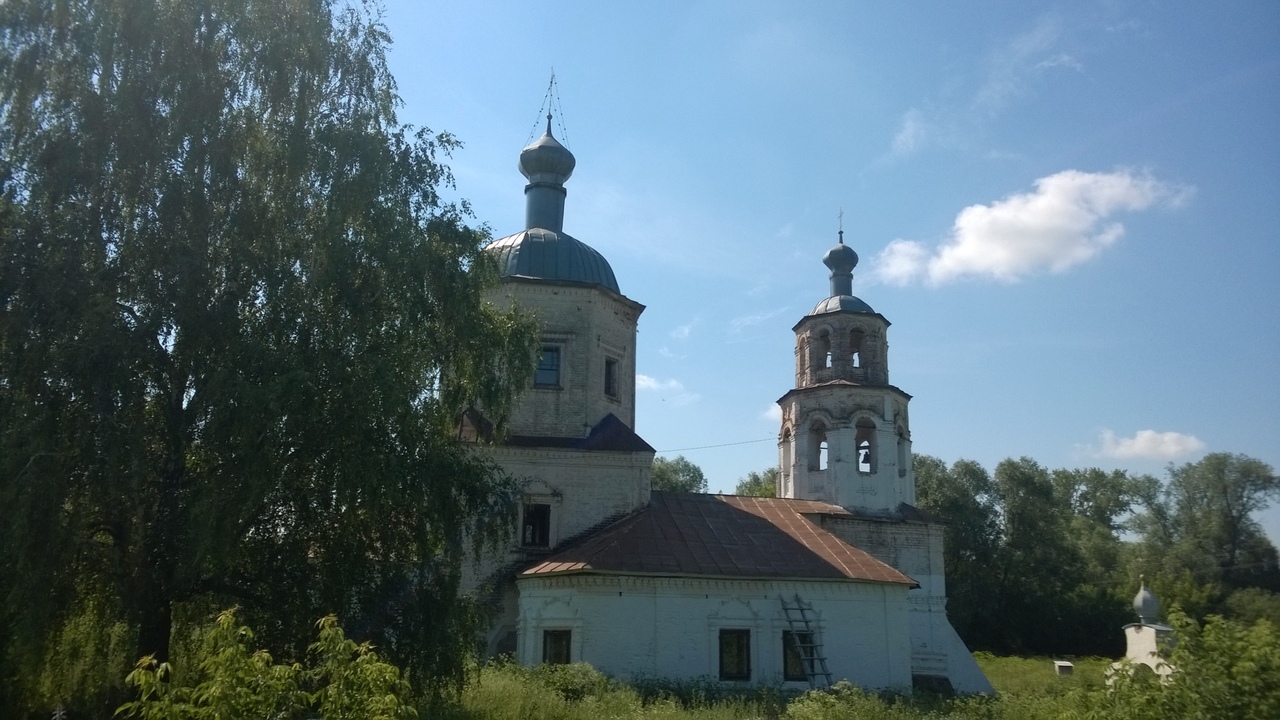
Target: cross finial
{"type": "Point", "coordinates": [841, 216]}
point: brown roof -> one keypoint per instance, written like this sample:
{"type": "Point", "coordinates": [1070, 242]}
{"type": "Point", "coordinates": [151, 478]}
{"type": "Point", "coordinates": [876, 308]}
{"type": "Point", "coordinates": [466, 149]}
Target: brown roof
{"type": "Point", "coordinates": [722, 535]}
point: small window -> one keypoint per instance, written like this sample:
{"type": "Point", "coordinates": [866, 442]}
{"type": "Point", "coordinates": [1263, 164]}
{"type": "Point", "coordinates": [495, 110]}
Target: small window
{"type": "Point", "coordinates": [535, 527]}
{"type": "Point", "coordinates": [548, 373]}
{"type": "Point", "coordinates": [735, 654]}
{"type": "Point", "coordinates": [823, 455]}
{"type": "Point", "coordinates": [611, 377]}
{"type": "Point", "coordinates": [555, 646]}
{"type": "Point", "coordinates": [864, 456]}
{"type": "Point", "coordinates": [795, 648]}
{"type": "Point", "coordinates": [857, 359]}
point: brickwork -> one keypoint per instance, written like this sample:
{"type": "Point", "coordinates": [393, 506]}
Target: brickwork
{"type": "Point", "coordinates": [842, 415]}
{"type": "Point", "coordinates": [590, 325]}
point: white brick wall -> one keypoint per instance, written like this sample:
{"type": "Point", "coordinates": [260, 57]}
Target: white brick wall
{"type": "Point", "coordinates": [590, 325]}
{"type": "Point", "coordinates": [631, 626]}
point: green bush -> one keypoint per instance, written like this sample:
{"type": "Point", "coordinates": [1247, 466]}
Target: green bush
{"type": "Point", "coordinates": [343, 680]}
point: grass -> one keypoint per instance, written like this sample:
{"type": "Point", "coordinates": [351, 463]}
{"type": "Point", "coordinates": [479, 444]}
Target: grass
{"type": "Point", "coordinates": [1027, 687]}
{"type": "Point", "coordinates": [1035, 676]}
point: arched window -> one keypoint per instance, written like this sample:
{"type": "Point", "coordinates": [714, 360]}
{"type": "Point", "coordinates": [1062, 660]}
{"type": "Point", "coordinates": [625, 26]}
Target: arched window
{"type": "Point", "coordinates": [865, 439]}
{"type": "Point", "coordinates": [820, 350]}
{"type": "Point", "coordinates": [855, 347]}
{"type": "Point", "coordinates": [818, 447]}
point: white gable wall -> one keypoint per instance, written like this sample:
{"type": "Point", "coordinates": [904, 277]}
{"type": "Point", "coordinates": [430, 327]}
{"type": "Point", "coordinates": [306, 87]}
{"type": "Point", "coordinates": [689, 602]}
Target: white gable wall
{"type": "Point", "coordinates": [638, 626]}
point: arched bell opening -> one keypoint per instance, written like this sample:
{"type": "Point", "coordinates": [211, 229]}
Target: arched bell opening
{"type": "Point", "coordinates": [818, 449]}
{"type": "Point", "coordinates": [865, 441]}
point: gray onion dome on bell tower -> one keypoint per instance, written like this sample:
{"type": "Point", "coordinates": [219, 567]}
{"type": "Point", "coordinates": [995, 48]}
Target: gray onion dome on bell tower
{"type": "Point", "coordinates": [1146, 605]}
{"type": "Point", "coordinates": [841, 260]}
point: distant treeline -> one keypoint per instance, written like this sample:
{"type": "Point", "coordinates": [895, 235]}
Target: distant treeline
{"type": "Point", "coordinates": [1047, 561]}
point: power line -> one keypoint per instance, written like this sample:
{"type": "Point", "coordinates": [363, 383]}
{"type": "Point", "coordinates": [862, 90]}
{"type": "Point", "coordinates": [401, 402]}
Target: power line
{"type": "Point", "coordinates": [708, 447]}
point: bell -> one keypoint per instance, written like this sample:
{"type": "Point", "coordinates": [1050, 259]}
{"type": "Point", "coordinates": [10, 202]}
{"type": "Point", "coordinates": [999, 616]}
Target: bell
{"type": "Point", "coordinates": [866, 457]}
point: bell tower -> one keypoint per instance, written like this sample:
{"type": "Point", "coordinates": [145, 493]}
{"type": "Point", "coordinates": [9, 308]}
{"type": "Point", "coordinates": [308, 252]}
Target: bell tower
{"type": "Point", "coordinates": [845, 436]}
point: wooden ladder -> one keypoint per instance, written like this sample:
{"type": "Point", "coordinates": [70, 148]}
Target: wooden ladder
{"type": "Point", "coordinates": [808, 641]}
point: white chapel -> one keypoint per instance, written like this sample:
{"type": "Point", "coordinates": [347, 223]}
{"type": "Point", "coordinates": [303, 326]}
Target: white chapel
{"type": "Point", "coordinates": [840, 577]}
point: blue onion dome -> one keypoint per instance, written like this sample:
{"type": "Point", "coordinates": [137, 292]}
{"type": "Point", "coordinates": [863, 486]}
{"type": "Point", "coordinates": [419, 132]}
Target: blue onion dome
{"type": "Point", "coordinates": [542, 254]}
{"type": "Point", "coordinates": [1146, 605]}
{"type": "Point", "coordinates": [546, 160]}
{"type": "Point", "coordinates": [841, 258]}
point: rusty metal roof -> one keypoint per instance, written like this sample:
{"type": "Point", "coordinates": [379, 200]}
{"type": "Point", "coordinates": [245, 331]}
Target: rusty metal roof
{"type": "Point", "coordinates": [692, 534]}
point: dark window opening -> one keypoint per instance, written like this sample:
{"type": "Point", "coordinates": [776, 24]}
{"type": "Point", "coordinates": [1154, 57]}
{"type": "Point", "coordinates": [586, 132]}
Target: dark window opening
{"type": "Point", "coordinates": [735, 654]}
{"type": "Point", "coordinates": [548, 373]}
{"type": "Point", "coordinates": [555, 646]}
{"type": "Point", "coordinates": [821, 351]}
{"type": "Point", "coordinates": [611, 378]}
{"type": "Point", "coordinates": [855, 347]}
{"type": "Point", "coordinates": [535, 527]}
{"type": "Point", "coordinates": [795, 648]}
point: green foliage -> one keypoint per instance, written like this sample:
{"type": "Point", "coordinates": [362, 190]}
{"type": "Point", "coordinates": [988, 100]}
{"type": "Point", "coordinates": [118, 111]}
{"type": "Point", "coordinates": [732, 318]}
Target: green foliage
{"type": "Point", "coordinates": [344, 680]}
{"type": "Point", "coordinates": [1222, 670]}
{"type": "Point", "coordinates": [86, 662]}
{"type": "Point", "coordinates": [575, 681]}
{"type": "Point", "coordinates": [678, 475]}
{"type": "Point", "coordinates": [237, 326]}
{"type": "Point", "coordinates": [1253, 604]}
{"type": "Point", "coordinates": [758, 484]}
{"type": "Point", "coordinates": [1225, 670]}
{"type": "Point", "coordinates": [1202, 520]}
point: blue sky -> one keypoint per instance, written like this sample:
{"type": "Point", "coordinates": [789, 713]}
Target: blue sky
{"type": "Point", "coordinates": [1068, 211]}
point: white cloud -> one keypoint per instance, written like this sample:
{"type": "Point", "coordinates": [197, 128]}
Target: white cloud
{"type": "Point", "coordinates": [672, 390]}
{"type": "Point", "coordinates": [911, 134]}
{"type": "Point", "coordinates": [773, 413]}
{"type": "Point", "coordinates": [682, 331]}
{"type": "Point", "coordinates": [738, 324]}
{"type": "Point", "coordinates": [1149, 445]}
{"type": "Point", "coordinates": [666, 353]}
{"type": "Point", "coordinates": [1064, 222]}
{"type": "Point", "coordinates": [1060, 60]}
{"type": "Point", "coordinates": [1014, 64]}
{"type": "Point", "coordinates": [958, 117]}
{"type": "Point", "coordinates": [644, 382]}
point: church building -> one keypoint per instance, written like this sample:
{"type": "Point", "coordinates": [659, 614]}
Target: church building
{"type": "Point", "coordinates": [839, 577]}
